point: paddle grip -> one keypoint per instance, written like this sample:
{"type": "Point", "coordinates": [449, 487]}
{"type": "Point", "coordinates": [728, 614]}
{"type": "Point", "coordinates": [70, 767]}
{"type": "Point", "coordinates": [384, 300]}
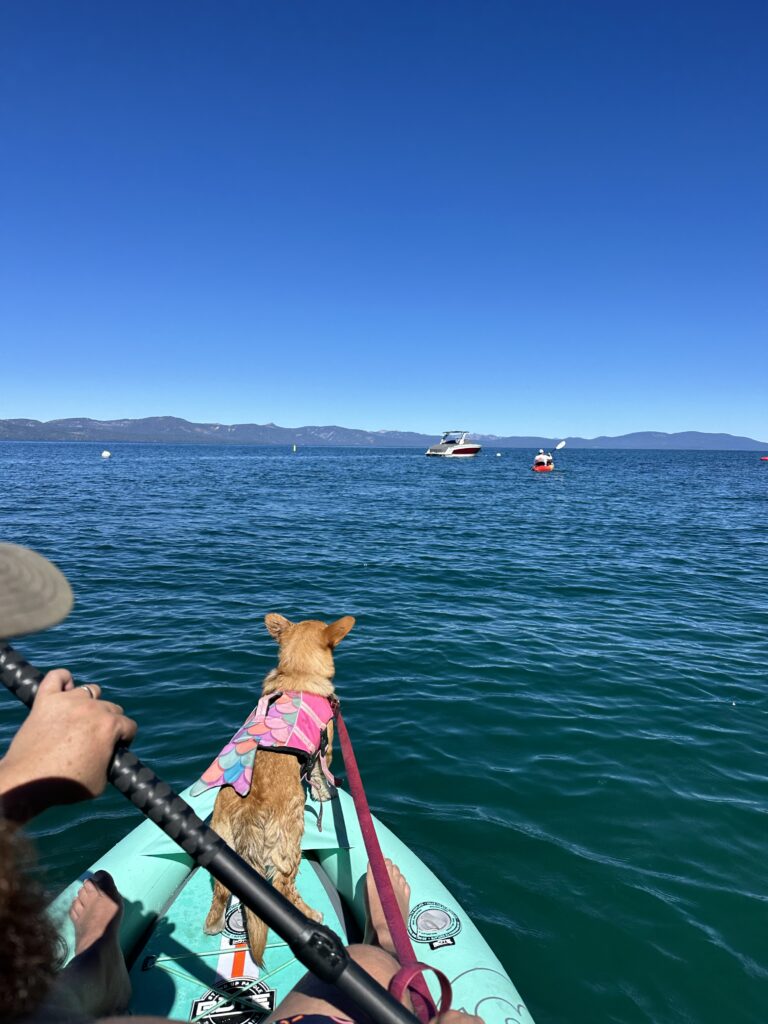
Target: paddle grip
{"type": "Point", "coordinates": [20, 677]}
{"type": "Point", "coordinates": [315, 945]}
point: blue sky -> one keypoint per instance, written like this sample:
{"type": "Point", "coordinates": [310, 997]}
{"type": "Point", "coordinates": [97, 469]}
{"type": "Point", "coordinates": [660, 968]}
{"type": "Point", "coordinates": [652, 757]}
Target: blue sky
{"type": "Point", "coordinates": [513, 217]}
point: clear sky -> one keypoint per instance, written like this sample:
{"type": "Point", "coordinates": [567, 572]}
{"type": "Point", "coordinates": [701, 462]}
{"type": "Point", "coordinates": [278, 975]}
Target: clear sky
{"type": "Point", "coordinates": [511, 216]}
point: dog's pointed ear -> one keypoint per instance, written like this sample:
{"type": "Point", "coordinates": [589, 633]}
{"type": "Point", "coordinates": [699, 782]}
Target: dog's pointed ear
{"type": "Point", "coordinates": [276, 624]}
{"type": "Point", "coordinates": [337, 630]}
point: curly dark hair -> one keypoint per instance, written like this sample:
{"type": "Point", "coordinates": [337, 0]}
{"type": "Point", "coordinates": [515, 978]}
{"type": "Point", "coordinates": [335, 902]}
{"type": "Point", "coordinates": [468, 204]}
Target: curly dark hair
{"type": "Point", "coordinates": [28, 948]}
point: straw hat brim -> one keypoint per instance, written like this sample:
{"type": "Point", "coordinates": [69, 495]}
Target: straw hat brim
{"type": "Point", "coordinates": [34, 594]}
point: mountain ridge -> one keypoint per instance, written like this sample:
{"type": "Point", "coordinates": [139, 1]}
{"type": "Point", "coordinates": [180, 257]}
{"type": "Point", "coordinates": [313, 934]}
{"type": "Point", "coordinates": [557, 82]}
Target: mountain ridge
{"type": "Point", "coordinates": [174, 430]}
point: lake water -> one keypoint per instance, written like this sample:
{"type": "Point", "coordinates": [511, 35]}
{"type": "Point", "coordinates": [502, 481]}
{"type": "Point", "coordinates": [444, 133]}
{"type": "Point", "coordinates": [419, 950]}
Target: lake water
{"type": "Point", "coordinates": [580, 658]}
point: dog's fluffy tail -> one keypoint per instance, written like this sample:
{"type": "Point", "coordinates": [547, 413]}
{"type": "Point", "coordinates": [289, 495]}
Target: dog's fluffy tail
{"type": "Point", "coordinates": [257, 937]}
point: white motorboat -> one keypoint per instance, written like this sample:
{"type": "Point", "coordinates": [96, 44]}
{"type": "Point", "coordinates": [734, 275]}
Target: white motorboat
{"type": "Point", "coordinates": [454, 444]}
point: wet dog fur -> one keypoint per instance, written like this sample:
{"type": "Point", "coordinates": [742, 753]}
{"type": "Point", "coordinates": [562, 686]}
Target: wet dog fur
{"type": "Point", "coordinates": [266, 826]}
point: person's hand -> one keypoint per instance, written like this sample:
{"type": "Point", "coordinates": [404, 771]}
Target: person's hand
{"type": "Point", "coordinates": [61, 752]}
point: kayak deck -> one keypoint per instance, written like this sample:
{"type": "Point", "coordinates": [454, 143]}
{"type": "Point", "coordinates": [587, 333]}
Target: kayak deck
{"type": "Point", "coordinates": [185, 974]}
{"type": "Point", "coordinates": [180, 972]}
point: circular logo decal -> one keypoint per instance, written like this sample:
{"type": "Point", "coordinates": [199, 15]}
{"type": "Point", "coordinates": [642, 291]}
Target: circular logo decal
{"type": "Point", "coordinates": [433, 923]}
{"type": "Point", "coordinates": [234, 923]}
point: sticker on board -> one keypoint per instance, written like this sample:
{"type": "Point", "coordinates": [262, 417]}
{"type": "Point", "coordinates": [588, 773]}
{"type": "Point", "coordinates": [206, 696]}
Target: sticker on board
{"type": "Point", "coordinates": [434, 924]}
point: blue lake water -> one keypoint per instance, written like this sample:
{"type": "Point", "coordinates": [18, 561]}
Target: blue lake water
{"type": "Point", "coordinates": [556, 684]}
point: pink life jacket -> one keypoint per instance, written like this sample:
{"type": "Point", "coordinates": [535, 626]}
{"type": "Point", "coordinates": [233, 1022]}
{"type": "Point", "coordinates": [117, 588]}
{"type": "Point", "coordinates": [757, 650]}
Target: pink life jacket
{"type": "Point", "coordinates": [284, 722]}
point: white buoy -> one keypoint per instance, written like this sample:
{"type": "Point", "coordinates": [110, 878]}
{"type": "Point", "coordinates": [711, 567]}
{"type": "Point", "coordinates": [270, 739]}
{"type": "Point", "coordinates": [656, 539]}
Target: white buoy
{"type": "Point", "coordinates": [498, 455]}
{"type": "Point", "coordinates": [106, 455]}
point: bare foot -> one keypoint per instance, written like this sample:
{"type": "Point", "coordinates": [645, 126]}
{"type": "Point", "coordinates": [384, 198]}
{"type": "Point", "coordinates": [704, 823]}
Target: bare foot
{"type": "Point", "coordinates": [97, 975]}
{"type": "Point", "coordinates": [95, 911]}
{"type": "Point", "coordinates": [376, 929]}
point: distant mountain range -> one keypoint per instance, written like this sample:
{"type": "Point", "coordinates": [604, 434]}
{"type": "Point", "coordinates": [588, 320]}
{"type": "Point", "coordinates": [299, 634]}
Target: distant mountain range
{"type": "Point", "coordinates": [172, 430]}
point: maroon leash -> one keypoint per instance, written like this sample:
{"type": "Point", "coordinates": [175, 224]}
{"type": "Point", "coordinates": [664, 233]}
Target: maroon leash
{"type": "Point", "coordinates": [410, 974]}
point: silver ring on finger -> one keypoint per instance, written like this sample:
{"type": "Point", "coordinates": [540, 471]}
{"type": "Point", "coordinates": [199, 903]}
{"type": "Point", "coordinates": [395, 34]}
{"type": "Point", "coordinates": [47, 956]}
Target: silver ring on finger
{"type": "Point", "coordinates": [91, 694]}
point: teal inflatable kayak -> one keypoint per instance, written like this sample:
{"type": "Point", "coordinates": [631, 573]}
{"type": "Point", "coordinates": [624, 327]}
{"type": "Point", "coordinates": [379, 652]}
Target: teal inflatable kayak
{"type": "Point", "coordinates": [179, 972]}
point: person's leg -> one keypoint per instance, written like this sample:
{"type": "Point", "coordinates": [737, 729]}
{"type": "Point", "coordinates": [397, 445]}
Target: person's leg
{"type": "Point", "coordinates": [376, 927]}
{"type": "Point", "coordinates": [95, 982]}
{"type": "Point", "coordinates": [375, 955]}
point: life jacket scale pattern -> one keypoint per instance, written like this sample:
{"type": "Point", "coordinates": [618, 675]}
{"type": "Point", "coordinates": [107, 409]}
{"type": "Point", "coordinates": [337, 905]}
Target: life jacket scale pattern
{"type": "Point", "coordinates": [284, 722]}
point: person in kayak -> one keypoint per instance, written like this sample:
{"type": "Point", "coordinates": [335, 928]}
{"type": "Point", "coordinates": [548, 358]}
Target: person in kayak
{"type": "Point", "coordinates": [542, 458]}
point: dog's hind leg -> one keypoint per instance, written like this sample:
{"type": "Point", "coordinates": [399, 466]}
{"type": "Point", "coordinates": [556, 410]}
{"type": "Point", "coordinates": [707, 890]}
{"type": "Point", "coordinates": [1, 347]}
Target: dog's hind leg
{"type": "Point", "coordinates": [221, 822]}
{"type": "Point", "coordinates": [286, 858]}
{"type": "Point", "coordinates": [278, 842]}
{"type": "Point", "coordinates": [285, 884]}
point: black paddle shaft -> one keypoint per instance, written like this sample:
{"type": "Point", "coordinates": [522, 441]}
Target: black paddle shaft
{"type": "Point", "coordinates": [315, 945]}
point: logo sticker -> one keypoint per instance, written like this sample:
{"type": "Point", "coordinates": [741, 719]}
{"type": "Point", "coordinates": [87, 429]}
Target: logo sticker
{"type": "Point", "coordinates": [234, 922]}
{"type": "Point", "coordinates": [237, 1001]}
{"type": "Point", "coordinates": [433, 923]}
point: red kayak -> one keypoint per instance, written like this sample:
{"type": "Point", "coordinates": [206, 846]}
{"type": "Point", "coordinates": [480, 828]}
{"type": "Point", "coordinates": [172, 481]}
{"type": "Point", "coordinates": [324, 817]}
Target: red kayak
{"type": "Point", "coordinates": [543, 469]}
{"type": "Point", "coordinates": [764, 458]}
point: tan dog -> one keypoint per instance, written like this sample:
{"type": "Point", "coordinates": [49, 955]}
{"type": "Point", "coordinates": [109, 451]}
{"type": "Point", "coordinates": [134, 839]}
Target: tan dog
{"type": "Point", "coordinates": [266, 826]}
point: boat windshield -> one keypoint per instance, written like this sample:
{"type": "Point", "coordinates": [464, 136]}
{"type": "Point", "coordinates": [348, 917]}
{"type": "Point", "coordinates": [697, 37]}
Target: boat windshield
{"type": "Point", "coordinates": [453, 436]}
